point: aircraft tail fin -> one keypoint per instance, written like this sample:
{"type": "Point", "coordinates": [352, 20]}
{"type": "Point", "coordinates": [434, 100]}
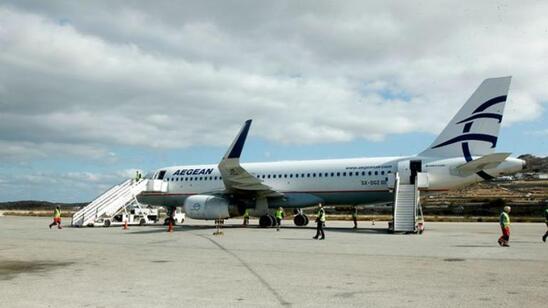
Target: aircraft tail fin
{"type": "Point", "coordinates": [474, 130]}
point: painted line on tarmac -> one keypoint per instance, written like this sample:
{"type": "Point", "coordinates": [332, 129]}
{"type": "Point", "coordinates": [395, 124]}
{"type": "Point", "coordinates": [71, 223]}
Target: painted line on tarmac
{"type": "Point", "coordinates": [251, 270]}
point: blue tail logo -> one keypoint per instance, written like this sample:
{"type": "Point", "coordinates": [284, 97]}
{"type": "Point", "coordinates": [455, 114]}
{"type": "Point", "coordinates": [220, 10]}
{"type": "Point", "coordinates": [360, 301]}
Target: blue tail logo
{"type": "Point", "coordinates": [467, 136]}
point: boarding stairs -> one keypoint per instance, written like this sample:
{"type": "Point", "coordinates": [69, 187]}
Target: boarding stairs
{"type": "Point", "coordinates": [110, 202]}
{"type": "Point", "coordinates": [407, 215]}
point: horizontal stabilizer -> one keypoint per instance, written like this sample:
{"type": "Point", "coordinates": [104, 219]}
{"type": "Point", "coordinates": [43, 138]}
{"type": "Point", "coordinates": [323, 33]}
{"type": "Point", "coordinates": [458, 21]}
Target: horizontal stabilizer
{"type": "Point", "coordinates": [485, 162]}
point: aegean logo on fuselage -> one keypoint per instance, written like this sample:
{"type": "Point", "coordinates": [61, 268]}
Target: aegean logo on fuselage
{"type": "Point", "coordinates": [193, 171]}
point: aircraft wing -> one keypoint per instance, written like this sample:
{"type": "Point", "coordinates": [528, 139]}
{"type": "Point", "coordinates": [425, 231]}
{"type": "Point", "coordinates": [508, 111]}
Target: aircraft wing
{"type": "Point", "coordinates": [235, 177]}
{"type": "Point", "coordinates": [485, 162]}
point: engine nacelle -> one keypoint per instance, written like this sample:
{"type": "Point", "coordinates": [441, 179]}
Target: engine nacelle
{"type": "Point", "coordinates": [208, 207]}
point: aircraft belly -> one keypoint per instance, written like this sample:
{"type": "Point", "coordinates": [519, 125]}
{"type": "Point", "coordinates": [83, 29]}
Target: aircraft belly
{"type": "Point", "coordinates": [162, 199]}
{"type": "Point", "coordinates": [297, 200]}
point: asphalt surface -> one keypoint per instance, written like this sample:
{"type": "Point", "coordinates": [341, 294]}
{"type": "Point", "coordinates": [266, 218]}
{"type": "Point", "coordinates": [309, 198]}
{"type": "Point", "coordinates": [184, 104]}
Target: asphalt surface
{"type": "Point", "coordinates": [450, 265]}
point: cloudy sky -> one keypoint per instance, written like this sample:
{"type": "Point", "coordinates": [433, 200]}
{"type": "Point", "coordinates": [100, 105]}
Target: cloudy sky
{"type": "Point", "coordinates": [91, 90]}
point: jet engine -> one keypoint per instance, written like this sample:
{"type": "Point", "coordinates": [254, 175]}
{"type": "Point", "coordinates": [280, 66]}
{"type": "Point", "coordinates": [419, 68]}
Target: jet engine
{"type": "Point", "coordinates": [209, 207]}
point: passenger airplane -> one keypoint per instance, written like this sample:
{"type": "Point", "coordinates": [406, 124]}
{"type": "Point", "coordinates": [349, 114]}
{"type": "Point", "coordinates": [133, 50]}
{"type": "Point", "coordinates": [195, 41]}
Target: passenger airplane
{"type": "Point", "coordinates": [463, 153]}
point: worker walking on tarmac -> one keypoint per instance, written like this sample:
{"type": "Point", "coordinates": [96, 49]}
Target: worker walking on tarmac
{"type": "Point", "coordinates": [279, 216]}
{"type": "Point", "coordinates": [246, 217]}
{"type": "Point", "coordinates": [320, 223]}
{"type": "Point", "coordinates": [355, 217]}
{"type": "Point", "coordinates": [56, 218]}
{"type": "Point", "coordinates": [546, 221]}
{"type": "Point", "coordinates": [504, 222]}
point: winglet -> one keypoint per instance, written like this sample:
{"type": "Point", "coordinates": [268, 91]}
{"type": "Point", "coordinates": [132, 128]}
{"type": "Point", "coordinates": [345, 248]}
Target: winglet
{"type": "Point", "coordinates": [237, 145]}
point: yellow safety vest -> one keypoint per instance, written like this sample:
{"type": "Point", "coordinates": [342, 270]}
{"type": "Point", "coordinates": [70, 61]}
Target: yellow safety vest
{"type": "Point", "coordinates": [504, 220]}
{"type": "Point", "coordinates": [321, 215]}
{"type": "Point", "coordinates": [279, 214]}
{"type": "Point", "coordinates": [246, 214]}
{"type": "Point", "coordinates": [57, 213]}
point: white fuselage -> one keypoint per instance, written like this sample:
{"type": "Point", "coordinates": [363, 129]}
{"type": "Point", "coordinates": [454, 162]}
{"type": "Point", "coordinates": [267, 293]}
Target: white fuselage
{"type": "Point", "coordinates": [306, 183]}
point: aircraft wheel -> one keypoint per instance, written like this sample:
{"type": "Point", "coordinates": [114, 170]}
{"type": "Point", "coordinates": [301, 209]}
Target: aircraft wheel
{"type": "Point", "coordinates": [305, 220]}
{"type": "Point", "coordinates": [107, 223]}
{"type": "Point", "coordinates": [265, 221]}
{"type": "Point", "coordinates": [273, 221]}
{"type": "Point", "coordinates": [142, 222]}
{"type": "Point", "coordinates": [299, 220]}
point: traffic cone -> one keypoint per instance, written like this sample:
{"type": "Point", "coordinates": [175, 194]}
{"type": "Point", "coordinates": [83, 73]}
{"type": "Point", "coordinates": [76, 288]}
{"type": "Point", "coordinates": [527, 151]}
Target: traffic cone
{"type": "Point", "coordinates": [170, 226]}
{"type": "Point", "coordinates": [125, 225]}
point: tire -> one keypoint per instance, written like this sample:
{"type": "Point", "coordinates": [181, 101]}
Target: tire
{"type": "Point", "coordinates": [272, 221]}
{"type": "Point", "coordinates": [265, 221]}
{"type": "Point", "coordinates": [306, 220]}
{"type": "Point", "coordinates": [107, 223]}
{"type": "Point", "coordinates": [142, 222]}
{"type": "Point", "coordinates": [299, 220]}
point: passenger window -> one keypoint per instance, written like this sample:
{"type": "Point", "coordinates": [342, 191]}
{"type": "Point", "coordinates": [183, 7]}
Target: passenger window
{"type": "Point", "coordinates": [363, 173]}
{"type": "Point", "coordinates": [320, 174]}
{"type": "Point", "coordinates": [296, 175]}
{"type": "Point", "coordinates": [313, 175]}
{"type": "Point", "coordinates": [268, 176]}
{"type": "Point", "coordinates": [389, 171]}
{"type": "Point", "coordinates": [344, 173]}
{"type": "Point", "coordinates": [349, 173]}
{"type": "Point", "coordinates": [382, 172]}
{"type": "Point", "coordinates": [376, 173]}
{"type": "Point", "coordinates": [291, 175]}
{"type": "Point", "coordinates": [338, 174]}
{"type": "Point", "coordinates": [369, 173]}
{"type": "Point", "coordinates": [302, 175]}
{"type": "Point", "coordinates": [285, 175]}
{"type": "Point", "coordinates": [308, 175]}
{"type": "Point", "coordinates": [274, 176]}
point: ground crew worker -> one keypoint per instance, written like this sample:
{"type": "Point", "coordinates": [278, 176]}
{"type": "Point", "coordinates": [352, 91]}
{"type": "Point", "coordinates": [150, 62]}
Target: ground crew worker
{"type": "Point", "coordinates": [320, 222]}
{"type": "Point", "coordinates": [136, 176]}
{"type": "Point", "coordinates": [504, 221]}
{"type": "Point", "coordinates": [246, 217]}
{"type": "Point", "coordinates": [56, 218]}
{"type": "Point", "coordinates": [355, 217]}
{"type": "Point", "coordinates": [546, 221]}
{"type": "Point", "coordinates": [279, 216]}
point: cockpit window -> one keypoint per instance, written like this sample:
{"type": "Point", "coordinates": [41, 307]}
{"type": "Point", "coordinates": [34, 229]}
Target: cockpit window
{"type": "Point", "coordinates": [161, 175]}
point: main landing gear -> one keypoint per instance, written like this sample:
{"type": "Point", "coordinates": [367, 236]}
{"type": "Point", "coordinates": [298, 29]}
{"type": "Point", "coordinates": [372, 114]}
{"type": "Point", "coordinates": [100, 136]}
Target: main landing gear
{"type": "Point", "coordinates": [300, 220]}
{"type": "Point", "coordinates": [266, 221]}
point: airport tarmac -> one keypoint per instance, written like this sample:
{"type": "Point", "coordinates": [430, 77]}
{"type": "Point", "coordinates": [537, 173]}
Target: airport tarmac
{"type": "Point", "coordinates": [450, 265]}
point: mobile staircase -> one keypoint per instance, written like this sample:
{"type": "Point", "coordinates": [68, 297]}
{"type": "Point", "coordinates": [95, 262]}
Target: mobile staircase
{"type": "Point", "coordinates": [110, 202]}
{"type": "Point", "coordinates": [407, 212]}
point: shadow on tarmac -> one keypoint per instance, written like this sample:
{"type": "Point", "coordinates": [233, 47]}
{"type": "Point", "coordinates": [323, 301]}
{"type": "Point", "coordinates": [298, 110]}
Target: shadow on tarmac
{"type": "Point", "coordinates": [186, 228]}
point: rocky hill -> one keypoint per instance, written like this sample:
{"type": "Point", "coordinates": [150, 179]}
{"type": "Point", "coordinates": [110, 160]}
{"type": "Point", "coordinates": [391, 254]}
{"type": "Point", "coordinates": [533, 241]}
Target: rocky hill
{"type": "Point", "coordinates": [534, 163]}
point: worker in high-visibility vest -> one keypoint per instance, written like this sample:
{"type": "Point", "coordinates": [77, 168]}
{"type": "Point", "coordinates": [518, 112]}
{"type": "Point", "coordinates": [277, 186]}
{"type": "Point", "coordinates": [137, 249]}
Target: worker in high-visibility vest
{"type": "Point", "coordinates": [504, 221]}
{"type": "Point", "coordinates": [279, 216]}
{"type": "Point", "coordinates": [355, 217]}
{"type": "Point", "coordinates": [246, 217]}
{"type": "Point", "coordinates": [546, 221]}
{"type": "Point", "coordinates": [56, 218]}
{"type": "Point", "coordinates": [137, 176]}
{"type": "Point", "coordinates": [320, 223]}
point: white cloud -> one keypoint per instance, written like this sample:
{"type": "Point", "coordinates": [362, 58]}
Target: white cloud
{"type": "Point", "coordinates": [88, 77]}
